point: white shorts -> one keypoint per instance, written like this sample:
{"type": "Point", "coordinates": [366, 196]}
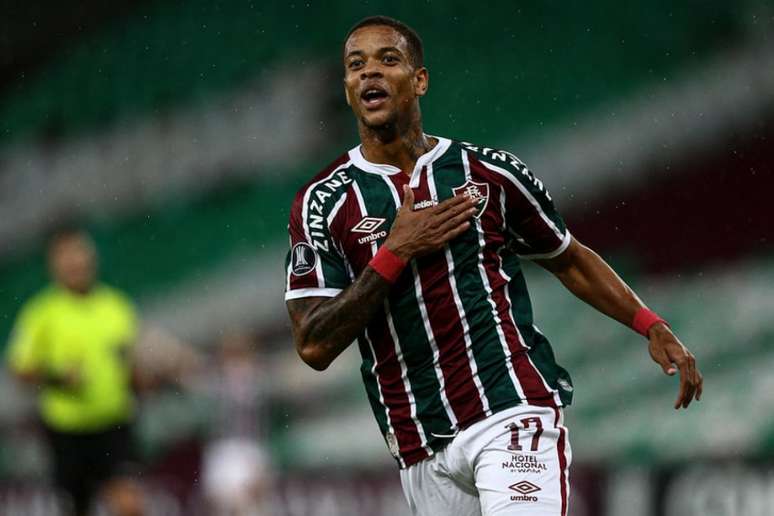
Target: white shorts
{"type": "Point", "coordinates": [515, 462]}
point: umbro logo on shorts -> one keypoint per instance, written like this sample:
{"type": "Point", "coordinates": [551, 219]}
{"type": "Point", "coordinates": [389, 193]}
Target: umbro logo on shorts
{"type": "Point", "coordinates": [524, 487]}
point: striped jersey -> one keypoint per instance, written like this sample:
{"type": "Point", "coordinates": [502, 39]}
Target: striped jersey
{"type": "Point", "coordinates": [455, 341]}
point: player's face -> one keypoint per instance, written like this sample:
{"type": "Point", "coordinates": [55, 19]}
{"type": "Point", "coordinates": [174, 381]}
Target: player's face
{"type": "Point", "coordinates": [380, 82]}
{"type": "Point", "coordinates": [73, 262]}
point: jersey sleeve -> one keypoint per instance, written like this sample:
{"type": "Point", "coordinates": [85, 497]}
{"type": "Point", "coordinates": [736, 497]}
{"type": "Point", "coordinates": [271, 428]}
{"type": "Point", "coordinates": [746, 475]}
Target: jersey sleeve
{"type": "Point", "coordinates": [536, 229]}
{"type": "Point", "coordinates": [26, 348]}
{"type": "Point", "coordinates": [314, 266]}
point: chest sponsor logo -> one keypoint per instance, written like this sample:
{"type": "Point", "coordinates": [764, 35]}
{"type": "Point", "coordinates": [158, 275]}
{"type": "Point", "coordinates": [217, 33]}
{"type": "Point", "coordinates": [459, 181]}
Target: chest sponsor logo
{"type": "Point", "coordinates": [522, 463]}
{"type": "Point", "coordinates": [526, 490]}
{"type": "Point", "coordinates": [479, 192]}
{"type": "Point", "coordinates": [303, 259]}
{"type": "Point", "coordinates": [428, 203]}
{"type": "Point", "coordinates": [370, 225]}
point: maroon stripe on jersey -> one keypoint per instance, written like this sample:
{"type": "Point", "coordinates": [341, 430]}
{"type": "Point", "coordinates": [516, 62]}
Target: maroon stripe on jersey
{"type": "Point", "coordinates": [561, 449]}
{"type": "Point", "coordinates": [349, 215]}
{"type": "Point", "coordinates": [492, 223]}
{"type": "Point", "coordinates": [446, 325]}
{"type": "Point", "coordinates": [527, 222]}
{"type": "Point", "coordinates": [389, 375]}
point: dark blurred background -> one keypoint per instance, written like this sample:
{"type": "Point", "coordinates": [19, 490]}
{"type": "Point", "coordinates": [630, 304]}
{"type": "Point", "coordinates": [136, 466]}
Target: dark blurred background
{"type": "Point", "coordinates": [178, 132]}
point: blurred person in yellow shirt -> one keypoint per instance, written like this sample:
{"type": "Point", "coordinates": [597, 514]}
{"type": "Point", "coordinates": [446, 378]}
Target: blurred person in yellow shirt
{"type": "Point", "coordinates": [72, 341]}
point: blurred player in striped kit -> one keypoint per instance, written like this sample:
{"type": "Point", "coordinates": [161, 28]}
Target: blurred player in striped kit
{"type": "Point", "coordinates": [410, 244]}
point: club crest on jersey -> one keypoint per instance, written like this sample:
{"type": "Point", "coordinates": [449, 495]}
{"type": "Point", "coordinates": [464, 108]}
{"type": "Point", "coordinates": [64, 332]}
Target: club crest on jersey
{"type": "Point", "coordinates": [479, 192]}
{"type": "Point", "coordinates": [303, 259]}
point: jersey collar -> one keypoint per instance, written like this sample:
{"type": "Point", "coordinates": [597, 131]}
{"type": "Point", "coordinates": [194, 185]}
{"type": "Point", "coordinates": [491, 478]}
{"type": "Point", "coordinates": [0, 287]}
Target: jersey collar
{"type": "Point", "coordinates": [383, 169]}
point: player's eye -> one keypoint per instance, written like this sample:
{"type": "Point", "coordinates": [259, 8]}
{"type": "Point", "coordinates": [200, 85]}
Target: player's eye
{"type": "Point", "coordinates": [389, 58]}
{"type": "Point", "coordinates": [355, 63]}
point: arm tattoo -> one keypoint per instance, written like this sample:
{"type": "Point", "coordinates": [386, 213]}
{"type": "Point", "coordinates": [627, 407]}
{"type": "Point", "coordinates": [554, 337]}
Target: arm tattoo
{"type": "Point", "coordinates": [333, 324]}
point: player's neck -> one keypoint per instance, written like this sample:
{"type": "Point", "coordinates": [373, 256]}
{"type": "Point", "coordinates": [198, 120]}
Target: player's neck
{"type": "Point", "coordinates": [391, 146]}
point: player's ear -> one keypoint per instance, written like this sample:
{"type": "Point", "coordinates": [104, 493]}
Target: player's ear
{"type": "Point", "coordinates": [421, 81]}
{"type": "Point", "coordinates": [346, 95]}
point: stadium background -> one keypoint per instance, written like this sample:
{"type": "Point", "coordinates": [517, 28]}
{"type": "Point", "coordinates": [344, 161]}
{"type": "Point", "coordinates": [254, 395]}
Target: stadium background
{"type": "Point", "coordinates": [178, 131]}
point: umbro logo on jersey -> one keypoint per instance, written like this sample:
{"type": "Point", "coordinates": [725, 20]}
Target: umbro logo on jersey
{"type": "Point", "coordinates": [368, 225]}
{"type": "Point", "coordinates": [303, 258]}
{"type": "Point", "coordinates": [479, 192]}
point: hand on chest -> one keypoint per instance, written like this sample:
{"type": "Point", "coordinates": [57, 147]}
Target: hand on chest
{"type": "Point", "coordinates": [370, 215]}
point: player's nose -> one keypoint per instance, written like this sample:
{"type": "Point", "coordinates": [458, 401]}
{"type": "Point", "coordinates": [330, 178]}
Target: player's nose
{"type": "Point", "coordinates": [370, 70]}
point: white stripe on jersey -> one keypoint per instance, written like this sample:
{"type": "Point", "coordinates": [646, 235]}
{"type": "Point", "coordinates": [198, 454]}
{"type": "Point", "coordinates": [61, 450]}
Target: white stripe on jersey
{"type": "Point", "coordinates": [426, 322]}
{"type": "Point", "coordinates": [336, 208]}
{"type": "Point", "coordinates": [396, 341]}
{"type": "Point", "coordinates": [553, 254]}
{"type": "Point", "coordinates": [404, 377]}
{"type": "Point", "coordinates": [458, 303]}
{"type": "Point", "coordinates": [488, 288]}
{"type": "Point", "coordinates": [433, 345]}
{"type": "Point", "coordinates": [312, 292]}
{"type": "Point", "coordinates": [336, 244]}
{"type": "Point", "coordinates": [390, 428]}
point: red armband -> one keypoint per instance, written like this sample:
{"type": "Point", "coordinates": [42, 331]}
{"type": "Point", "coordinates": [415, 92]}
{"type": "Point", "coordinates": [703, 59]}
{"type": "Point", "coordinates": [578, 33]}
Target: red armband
{"type": "Point", "coordinates": [644, 319]}
{"type": "Point", "coordinates": [387, 264]}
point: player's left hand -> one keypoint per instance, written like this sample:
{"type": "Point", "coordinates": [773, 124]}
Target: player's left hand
{"type": "Point", "coordinates": [668, 352]}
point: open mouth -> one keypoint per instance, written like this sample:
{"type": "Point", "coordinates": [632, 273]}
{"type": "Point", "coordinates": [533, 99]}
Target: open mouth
{"type": "Point", "coordinates": [373, 97]}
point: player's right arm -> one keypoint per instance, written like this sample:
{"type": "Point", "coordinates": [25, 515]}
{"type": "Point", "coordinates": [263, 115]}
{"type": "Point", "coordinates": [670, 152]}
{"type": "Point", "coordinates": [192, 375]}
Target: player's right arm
{"type": "Point", "coordinates": [25, 348]}
{"type": "Point", "coordinates": [323, 327]}
{"type": "Point", "coordinates": [28, 350]}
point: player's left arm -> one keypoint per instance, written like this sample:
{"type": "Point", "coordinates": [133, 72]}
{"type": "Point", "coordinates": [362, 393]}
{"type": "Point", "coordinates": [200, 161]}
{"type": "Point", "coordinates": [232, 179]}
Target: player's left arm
{"type": "Point", "coordinates": [592, 280]}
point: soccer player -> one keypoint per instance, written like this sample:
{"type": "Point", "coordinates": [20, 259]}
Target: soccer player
{"type": "Point", "coordinates": [72, 342]}
{"type": "Point", "coordinates": [410, 245]}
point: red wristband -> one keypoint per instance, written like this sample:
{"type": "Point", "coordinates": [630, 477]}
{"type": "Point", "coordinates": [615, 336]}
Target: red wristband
{"type": "Point", "coordinates": [387, 264]}
{"type": "Point", "coordinates": [644, 319]}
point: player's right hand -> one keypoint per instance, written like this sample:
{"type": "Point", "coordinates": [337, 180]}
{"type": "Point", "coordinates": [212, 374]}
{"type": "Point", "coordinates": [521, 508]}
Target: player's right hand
{"type": "Point", "coordinates": [416, 233]}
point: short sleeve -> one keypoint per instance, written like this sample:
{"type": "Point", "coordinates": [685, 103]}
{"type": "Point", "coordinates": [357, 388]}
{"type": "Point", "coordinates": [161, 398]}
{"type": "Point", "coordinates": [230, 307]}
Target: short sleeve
{"type": "Point", "coordinates": [314, 265]}
{"type": "Point", "coordinates": [536, 229]}
{"type": "Point", "coordinates": [26, 348]}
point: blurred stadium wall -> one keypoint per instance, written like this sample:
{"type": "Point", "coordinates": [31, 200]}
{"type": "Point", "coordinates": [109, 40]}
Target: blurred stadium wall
{"type": "Point", "coordinates": [178, 133]}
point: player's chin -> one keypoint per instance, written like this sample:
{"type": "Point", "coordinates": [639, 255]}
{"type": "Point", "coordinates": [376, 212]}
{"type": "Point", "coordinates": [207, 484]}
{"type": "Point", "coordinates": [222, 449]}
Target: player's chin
{"type": "Point", "coordinates": [377, 119]}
